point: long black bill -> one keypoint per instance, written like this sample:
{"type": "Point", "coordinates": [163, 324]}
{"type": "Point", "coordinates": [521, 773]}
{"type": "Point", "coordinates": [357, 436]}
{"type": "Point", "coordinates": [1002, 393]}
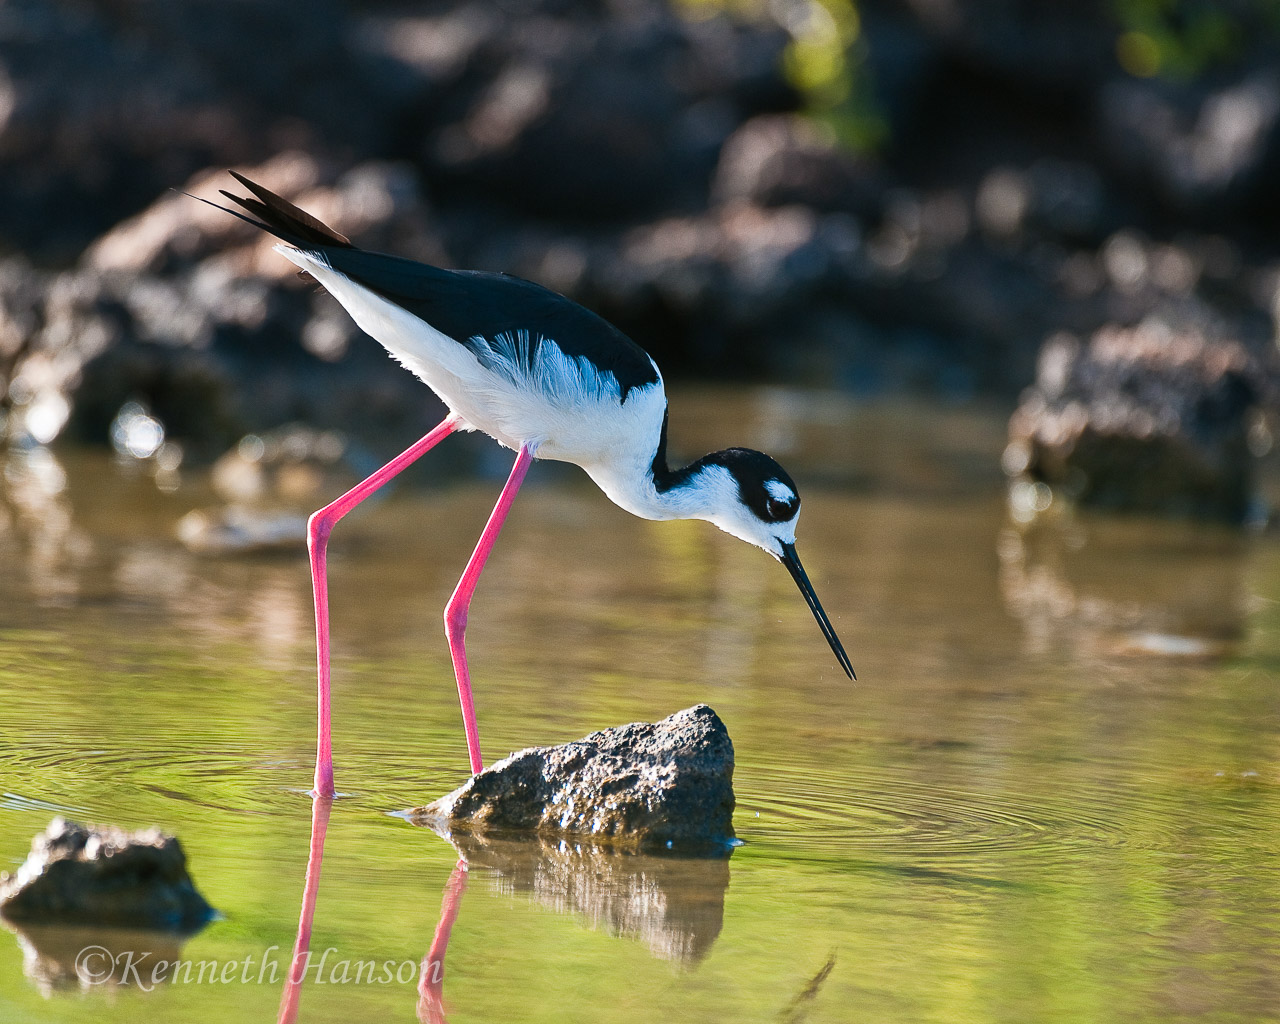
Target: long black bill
{"type": "Point", "coordinates": [792, 561]}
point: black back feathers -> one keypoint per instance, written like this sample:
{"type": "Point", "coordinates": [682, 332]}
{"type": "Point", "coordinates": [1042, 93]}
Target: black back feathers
{"type": "Point", "coordinates": [464, 305]}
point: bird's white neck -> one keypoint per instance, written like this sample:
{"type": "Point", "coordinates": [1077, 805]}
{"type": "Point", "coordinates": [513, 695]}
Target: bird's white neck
{"type": "Point", "coordinates": [705, 490]}
{"type": "Point", "coordinates": [640, 481]}
{"type": "Point", "coordinates": [696, 496]}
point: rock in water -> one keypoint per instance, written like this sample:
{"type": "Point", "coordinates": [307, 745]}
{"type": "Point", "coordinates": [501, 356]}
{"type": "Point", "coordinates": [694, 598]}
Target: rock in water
{"type": "Point", "coordinates": [1146, 419]}
{"type": "Point", "coordinates": [104, 876]}
{"type": "Point", "coordinates": [661, 785]}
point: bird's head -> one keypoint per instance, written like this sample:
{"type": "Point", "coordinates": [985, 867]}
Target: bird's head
{"type": "Point", "coordinates": [757, 501]}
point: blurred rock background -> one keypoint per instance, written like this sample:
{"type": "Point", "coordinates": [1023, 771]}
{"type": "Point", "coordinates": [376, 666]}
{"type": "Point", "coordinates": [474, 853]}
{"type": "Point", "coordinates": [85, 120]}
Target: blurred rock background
{"type": "Point", "coordinates": [886, 197]}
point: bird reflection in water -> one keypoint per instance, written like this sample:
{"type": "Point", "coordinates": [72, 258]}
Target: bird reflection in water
{"type": "Point", "coordinates": [674, 905]}
{"type": "Point", "coordinates": [321, 807]}
{"type": "Point", "coordinates": [431, 978]}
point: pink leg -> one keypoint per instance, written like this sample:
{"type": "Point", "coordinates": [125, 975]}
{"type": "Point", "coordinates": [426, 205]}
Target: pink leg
{"type": "Point", "coordinates": [319, 527]}
{"type": "Point", "coordinates": [455, 612]}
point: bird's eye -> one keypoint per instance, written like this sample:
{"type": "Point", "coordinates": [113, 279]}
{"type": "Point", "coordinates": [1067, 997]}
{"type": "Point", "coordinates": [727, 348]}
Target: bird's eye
{"type": "Point", "coordinates": [778, 510]}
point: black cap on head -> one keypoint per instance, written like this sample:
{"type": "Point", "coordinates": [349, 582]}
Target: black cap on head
{"type": "Point", "coordinates": [764, 486]}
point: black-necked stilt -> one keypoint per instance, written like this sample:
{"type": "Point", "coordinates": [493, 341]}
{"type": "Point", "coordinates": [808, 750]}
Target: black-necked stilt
{"type": "Point", "coordinates": [542, 376]}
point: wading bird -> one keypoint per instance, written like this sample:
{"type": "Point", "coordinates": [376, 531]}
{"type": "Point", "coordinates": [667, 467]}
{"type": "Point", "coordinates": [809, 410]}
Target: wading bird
{"type": "Point", "coordinates": [542, 376]}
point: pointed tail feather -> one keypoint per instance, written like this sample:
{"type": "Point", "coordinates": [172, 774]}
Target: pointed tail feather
{"type": "Point", "coordinates": [283, 219]}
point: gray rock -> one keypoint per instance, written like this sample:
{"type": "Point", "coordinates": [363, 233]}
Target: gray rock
{"type": "Point", "coordinates": [784, 159]}
{"type": "Point", "coordinates": [665, 785]}
{"type": "Point", "coordinates": [1201, 148]}
{"type": "Point", "coordinates": [106, 106]}
{"type": "Point", "coordinates": [189, 312]}
{"type": "Point", "coordinates": [584, 113]}
{"type": "Point", "coordinates": [104, 876]}
{"type": "Point", "coordinates": [1151, 418]}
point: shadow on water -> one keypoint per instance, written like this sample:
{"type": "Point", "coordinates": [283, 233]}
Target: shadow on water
{"type": "Point", "coordinates": [674, 905]}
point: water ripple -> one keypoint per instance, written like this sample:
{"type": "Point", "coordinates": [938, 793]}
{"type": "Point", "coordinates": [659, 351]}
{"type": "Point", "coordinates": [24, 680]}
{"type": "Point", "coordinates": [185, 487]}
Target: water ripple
{"type": "Point", "coordinates": [883, 810]}
{"type": "Point", "coordinates": [43, 777]}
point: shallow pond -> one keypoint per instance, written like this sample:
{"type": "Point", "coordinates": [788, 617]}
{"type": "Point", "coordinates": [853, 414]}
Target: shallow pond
{"type": "Point", "coordinates": [1052, 795]}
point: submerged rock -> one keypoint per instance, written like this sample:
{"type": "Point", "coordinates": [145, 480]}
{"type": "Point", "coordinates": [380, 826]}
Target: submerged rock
{"type": "Point", "coordinates": [239, 530]}
{"type": "Point", "coordinates": [91, 875]}
{"type": "Point", "coordinates": [661, 785]}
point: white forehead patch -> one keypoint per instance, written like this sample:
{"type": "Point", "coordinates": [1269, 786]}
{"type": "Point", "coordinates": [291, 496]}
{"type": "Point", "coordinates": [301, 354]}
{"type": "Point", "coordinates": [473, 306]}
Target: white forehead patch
{"type": "Point", "coordinates": [779, 491]}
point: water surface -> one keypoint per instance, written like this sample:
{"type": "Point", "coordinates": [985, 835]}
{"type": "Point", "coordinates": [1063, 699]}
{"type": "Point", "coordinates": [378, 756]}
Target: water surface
{"type": "Point", "coordinates": [1051, 796]}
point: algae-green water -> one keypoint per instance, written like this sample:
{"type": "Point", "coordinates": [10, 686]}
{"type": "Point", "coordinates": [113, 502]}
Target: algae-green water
{"type": "Point", "coordinates": [1052, 795]}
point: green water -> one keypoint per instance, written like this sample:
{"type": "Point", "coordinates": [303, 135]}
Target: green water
{"type": "Point", "coordinates": [1051, 796]}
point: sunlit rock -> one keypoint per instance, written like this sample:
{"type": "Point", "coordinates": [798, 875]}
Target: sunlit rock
{"type": "Point", "coordinates": [1151, 418]}
{"type": "Point", "coordinates": [104, 876]}
{"type": "Point", "coordinates": [181, 324]}
{"type": "Point", "coordinates": [1208, 145]}
{"type": "Point", "coordinates": [665, 785]}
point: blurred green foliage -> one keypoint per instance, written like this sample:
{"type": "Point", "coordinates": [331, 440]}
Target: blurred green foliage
{"type": "Point", "coordinates": [826, 58]}
{"type": "Point", "coordinates": [825, 61]}
{"type": "Point", "coordinates": [1183, 39]}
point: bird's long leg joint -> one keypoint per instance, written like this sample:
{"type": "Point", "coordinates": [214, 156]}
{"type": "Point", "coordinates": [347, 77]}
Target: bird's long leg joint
{"type": "Point", "coordinates": [319, 527]}
{"type": "Point", "coordinates": [455, 612]}
{"type": "Point", "coordinates": [455, 619]}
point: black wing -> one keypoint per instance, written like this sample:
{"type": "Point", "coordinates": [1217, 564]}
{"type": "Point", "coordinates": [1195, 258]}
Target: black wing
{"type": "Point", "coordinates": [470, 304]}
{"type": "Point", "coordinates": [462, 304]}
